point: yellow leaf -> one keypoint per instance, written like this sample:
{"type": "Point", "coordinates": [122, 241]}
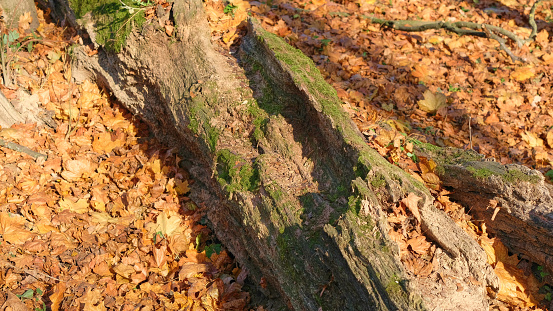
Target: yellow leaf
{"type": "Point", "coordinates": [432, 102]}
{"type": "Point", "coordinates": [523, 73]}
{"type": "Point", "coordinates": [181, 186]}
{"type": "Point", "coordinates": [76, 169]}
{"type": "Point", "coordinates": [531, 139]}
{"type": "Point", "coordinates": [80, 207]}
{"type": "Point", "coordinates": [435, 39]}
{"type": "Point", "coordinates": [12, 229]}
{"type": "Point", "coordinates": [166, 225]}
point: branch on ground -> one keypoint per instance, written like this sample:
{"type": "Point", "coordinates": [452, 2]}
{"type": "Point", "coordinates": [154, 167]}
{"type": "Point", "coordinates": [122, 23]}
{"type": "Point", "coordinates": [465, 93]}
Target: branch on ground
{"type": "Point", "coordinates": [467, 28]}
{"type": "Point", "coordinates": [19, 148]}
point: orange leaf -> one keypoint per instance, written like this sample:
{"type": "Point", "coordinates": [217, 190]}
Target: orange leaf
{"type": "Point", "coordinates": [411, 201]}
{"type": "Point", "coordinates": [57, 296]}
{"type": "Point", "coordinates": [523, 73]}
{"type": "Point", "coordinates": [419, 244]}
{"type": "Point", "coordinates": [159, 255]}
{"type": "Point", "coordinates": [419, 71]}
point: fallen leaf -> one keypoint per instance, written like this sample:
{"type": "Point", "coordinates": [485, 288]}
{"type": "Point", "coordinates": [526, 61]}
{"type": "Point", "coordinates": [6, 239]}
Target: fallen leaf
{"type": "Point", "coordinates": [523, 73]}
{"type": "Point", "coordinates": [411, 201]}
{"type": "Point", "coordinates": [531, 139]}
{"type": "Point", "coordinates": [419, 244]}
{"type": "Point", "coordinates": [57, 296]}
{"type": "Point", "coordinates": [549, 138]}
{"type": "Point", "coordinates": [432, 102]}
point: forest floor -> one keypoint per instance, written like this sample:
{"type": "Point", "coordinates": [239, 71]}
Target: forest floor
{"type": "Point", "coordinates": [104, 222]}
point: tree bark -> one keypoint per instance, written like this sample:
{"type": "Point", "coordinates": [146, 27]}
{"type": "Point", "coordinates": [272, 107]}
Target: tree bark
{"type": "Point", "coordinates": [291, 187]}
{"type": "Point", "coordinates": [513, 201]}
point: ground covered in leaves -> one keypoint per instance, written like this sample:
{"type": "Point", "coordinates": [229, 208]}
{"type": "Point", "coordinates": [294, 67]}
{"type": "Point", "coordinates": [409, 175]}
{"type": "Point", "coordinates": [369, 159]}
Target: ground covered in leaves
{"type": "Point", "coordinates": [103, 221]}
{"type": "Point", "coordinates": [402, 88]}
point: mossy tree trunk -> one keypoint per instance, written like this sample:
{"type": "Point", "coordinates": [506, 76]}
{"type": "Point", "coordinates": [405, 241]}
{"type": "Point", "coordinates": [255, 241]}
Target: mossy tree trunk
{"type": "Point", "coordinates": [290, 185]}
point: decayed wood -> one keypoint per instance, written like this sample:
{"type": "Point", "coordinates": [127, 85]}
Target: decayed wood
{"type": "Point", "coordinates": [283, 170]}
{"type": "Point", "coordinates": [514, 201]}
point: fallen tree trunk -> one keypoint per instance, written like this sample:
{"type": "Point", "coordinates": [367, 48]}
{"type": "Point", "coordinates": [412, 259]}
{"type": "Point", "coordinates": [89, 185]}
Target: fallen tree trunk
{"type": "Point", "coordinates": [513, 201]}
{"type": "Point", "coordinates": [291, 188]}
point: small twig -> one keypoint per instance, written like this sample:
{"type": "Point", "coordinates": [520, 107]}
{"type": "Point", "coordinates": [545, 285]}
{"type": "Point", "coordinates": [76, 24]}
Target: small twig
{"type": "Point", "coordinates": [532, 21]}
{"type": "Point", "coordinates": [503, 46]}
{"type": "Point", "coordinates": [467, 28]}
{"type": "Point", "coordinates": [19, 148]}
{"type": "Point", "coordinates": [33, 273]}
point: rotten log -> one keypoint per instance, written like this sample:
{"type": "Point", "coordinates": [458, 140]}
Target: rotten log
{"type": "Point", "coordinates": [291, 188]}
{"type": "Point", "coordinates": [514, 202]}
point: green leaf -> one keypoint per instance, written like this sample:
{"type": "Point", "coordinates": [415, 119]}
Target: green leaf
{"type": "Point", "coordinates": [13, 35]}
{"type": "Point", "coordinates": [28, 294]}
{"type": "Point", "coordinates": [229, 9]}
{"type": "Point", "coordinates": [213, 248]}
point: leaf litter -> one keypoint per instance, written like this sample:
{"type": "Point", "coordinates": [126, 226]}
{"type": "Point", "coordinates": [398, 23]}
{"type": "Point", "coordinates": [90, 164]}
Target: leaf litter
{"type": "Point", "coordinates": [105, 222]}
{"type": "Point", "coordinates": [429, 86]}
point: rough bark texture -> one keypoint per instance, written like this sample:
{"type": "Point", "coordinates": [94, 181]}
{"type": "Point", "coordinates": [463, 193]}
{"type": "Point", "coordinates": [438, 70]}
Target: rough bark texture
{"type": "Point", "coordinates": [12, 10]}
{"type": "Point", "coordinates": [518, 197]}
{"type": "Point", "coordinates": [287, 178]}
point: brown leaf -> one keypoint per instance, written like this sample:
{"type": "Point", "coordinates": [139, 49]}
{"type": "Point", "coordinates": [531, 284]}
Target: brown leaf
{"type": "Point", "coordinates": [57, 296]}
{"type": "Point", "coordinates": [189, 270]}
{"type": "Point", "coordinates": [13, 303]}
{"type": "Point", "coordinates": [160, 255]}
{"type": "Point", "coordinates": [549, 138]}
{"type": "Point", "coordinates": [411, 201]}
{"type": "Point", "coordinates": [419, 244]}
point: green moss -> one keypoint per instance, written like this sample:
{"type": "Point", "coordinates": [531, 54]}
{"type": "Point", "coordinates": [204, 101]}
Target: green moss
{"type": "Point", "coordinates": [378, 181]}
{"type": "Point", "coordinates": [200, 117]}
{"type": "Point", "coordinates": [516, 175]}
{"type": "Point", "coordinates": [487, 169]}
{"type": "Point", "coordinates": [286, 250]}
{"type": "Point", "coordinates": [362, 168]}
{"type": "Point", "coordinates": [481, 173]}
{"type": "Point", "coordinates": [113, 22]}
{"type": "Point", "coordinates": [235, 174]}
{"type": "Point", "coordinates": [395, 288]}
{"type": "Point", "coordinates": [307, 75]}
{"type": "Point", "coordinates": [354, 204]}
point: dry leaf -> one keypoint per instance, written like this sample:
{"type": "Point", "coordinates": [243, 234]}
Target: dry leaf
{"type": "Point", "coordinates": [419, 244]}
{"type": "Point", "coordinates": [549, 138]}
{"type": "Point", "coordinates": [531, 139]}
{"type": "Point", "coordinates": [432, 102]}
{"type": "Point", "coordinates": [165, 225]}
{"type": "Point", "coordinates": [411, 201]}
{"type": "Point", "coordinates": [419, 71]}
{"type": "Point", "coordinates": [57, 296]}
{"type": "Point", "coordinates": [523, 73]}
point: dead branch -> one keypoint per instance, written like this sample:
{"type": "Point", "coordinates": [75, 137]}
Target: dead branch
{"type": "Point", "coordinates": [466, 28]}
{"type": "Point", "coordinates": [19, 148]}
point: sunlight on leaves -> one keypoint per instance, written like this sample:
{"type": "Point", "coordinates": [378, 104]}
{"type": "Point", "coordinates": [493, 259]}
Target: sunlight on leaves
{"type": "Point", "coordinates": [432, 101]}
